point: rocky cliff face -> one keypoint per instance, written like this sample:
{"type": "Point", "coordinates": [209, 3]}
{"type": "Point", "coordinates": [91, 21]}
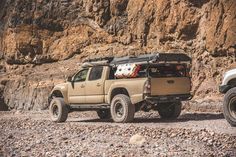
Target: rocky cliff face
{"type": "Point", "coordinates": [41, 42]}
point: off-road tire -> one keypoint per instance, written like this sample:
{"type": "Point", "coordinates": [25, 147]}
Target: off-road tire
{"type": "Point", "coordinates": [58, 110]}
{"type": "Point", "coordinates": [104, 114]}
{"type": "Point", "coordinates": [170, 110]}
{"type": "Point", "coordinates": [124, 103]}
{"type": "Point", "coordinates": [229, 106]}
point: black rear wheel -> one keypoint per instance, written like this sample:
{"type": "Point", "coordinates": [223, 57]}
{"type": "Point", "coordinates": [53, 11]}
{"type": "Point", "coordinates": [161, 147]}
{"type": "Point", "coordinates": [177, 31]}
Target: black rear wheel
{"type": "Point", "coordinates": [170, 110]}
{"type": "Point", "coordinates": [104, 114]}
{"type": "Point", "coordinates": [122, 110]}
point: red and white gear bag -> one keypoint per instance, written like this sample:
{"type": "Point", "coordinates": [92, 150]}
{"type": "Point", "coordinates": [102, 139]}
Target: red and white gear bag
{"type": "Point", "coordinates": [127, 70]}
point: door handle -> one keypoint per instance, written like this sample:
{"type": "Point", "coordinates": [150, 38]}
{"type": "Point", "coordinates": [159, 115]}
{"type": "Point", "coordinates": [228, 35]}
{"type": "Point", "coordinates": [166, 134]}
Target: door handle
{"type": "Point", "coordinates": [82, 86]}
{"type": "Point", "coordinates": [170, 81]}
{"type": "Point", "coordinates": [98, 84]}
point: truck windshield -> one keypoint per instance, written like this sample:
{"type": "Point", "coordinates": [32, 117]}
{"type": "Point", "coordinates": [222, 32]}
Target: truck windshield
{"type": "Point", "coordinates": [167, 70]}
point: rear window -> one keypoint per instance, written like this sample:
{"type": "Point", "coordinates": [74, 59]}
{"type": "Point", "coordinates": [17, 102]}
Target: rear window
{"type": "Point", "coordinates": [171, 70]}
{"type": "Point", "coordinates": [95, 73]}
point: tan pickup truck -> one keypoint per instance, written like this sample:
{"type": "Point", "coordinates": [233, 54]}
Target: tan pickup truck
{"type": "Point", "coordinates": [161, 83]}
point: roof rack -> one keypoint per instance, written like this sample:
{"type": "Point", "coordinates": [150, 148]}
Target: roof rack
{"type": "Point", "coordinates": [152, 58]}
{"type": "Point", "coordinates": [109, 59]}
{"type": "Point", "coordinates": [147, 58]}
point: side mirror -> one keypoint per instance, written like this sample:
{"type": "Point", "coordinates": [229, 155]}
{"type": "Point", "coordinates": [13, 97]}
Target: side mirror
{"type": "Point", "coordinates": [69, 79]}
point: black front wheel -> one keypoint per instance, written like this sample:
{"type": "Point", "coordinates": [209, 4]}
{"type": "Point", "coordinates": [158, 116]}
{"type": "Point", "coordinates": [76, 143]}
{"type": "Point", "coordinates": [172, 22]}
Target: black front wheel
{"type": "Point", "coordinates": [229, 106]}
{"type": "Point", "coordinates": [170, 110]}
{"type": "Point", "coordinates": [58, 110]}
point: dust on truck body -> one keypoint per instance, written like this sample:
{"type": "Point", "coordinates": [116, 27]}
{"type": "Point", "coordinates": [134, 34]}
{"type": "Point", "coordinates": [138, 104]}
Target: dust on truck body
{"type": "Point", "coordinates": [118, 87]}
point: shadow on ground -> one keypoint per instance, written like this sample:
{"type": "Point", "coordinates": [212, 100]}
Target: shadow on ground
{"type": "Point", "coordinates": [183, 118]}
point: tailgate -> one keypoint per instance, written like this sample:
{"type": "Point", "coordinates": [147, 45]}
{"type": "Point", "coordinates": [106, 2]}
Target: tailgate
{"type": "Point", "coordinates": [170, 86]}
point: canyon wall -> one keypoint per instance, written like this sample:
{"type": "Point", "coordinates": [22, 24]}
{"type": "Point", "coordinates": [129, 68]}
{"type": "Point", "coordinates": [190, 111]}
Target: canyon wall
{"type": "Point", "coordinates": [42, 41]}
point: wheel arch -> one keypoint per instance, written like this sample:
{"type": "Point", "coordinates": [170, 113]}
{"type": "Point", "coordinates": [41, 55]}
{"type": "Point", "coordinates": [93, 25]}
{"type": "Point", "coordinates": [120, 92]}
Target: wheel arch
{"type": "Point", "coordinates": [232, 82]}
{"type": "Point", "coordinates": [116, 91]}
{"type": "Point", "coordinates": [56, 93]}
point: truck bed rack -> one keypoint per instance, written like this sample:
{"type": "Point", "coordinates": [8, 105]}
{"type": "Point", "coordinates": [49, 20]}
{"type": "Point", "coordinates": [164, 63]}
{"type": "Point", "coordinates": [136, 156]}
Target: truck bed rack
{"type": "Point", "coordinates": [152, 58]}
{"type": "Point", "coordinates": [148, 58]}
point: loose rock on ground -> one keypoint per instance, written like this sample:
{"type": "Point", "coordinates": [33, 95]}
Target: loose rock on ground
{"type": "Point", "coordinates": [33, 134]}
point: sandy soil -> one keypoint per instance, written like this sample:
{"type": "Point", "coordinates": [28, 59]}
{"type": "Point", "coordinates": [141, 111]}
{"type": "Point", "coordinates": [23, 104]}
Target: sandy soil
{"type": "Point", "coordinates": [83, 134]}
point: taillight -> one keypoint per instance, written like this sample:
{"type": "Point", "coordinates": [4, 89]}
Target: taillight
{"type": "Point", "coordinates": [188, 71]}
{"type": "Point", "coordinates": [188, 74]}
{"type": "Point", "coordinates": [147, 87]}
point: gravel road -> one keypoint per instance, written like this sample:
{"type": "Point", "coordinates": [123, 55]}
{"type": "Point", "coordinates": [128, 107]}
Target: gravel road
{"type": "Point", "coordinates": [192, 134]}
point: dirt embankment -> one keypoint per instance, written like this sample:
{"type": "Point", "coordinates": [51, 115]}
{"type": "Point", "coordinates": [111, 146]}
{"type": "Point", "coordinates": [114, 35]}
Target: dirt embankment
{"type": "Point", "coordinates": [36, 37]}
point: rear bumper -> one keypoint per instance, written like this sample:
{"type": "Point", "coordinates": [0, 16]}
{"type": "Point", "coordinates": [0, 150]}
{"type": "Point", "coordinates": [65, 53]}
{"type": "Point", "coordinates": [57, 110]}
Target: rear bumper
{"type": "Point", "coordinates": [224, 88]}
{"type": "Point", "coordinates": [169, 98]}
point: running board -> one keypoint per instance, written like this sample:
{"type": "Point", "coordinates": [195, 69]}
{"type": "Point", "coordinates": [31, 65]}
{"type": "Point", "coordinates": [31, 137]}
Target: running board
{"type": "Point", "coordinates": [89, 106]}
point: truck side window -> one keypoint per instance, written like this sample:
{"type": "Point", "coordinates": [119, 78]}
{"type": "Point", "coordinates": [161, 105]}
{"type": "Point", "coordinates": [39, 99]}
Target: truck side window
{"type": "Point", "coordinates": [81, 76]}
{"type": "Point", "coordinates": [96, 73]}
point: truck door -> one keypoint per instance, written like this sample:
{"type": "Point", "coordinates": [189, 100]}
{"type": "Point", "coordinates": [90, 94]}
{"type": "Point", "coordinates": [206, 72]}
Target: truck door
{"type": "Point", "coordinates": [95, 86]}
{"type": "Point", "coordinates": [76, 89]}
